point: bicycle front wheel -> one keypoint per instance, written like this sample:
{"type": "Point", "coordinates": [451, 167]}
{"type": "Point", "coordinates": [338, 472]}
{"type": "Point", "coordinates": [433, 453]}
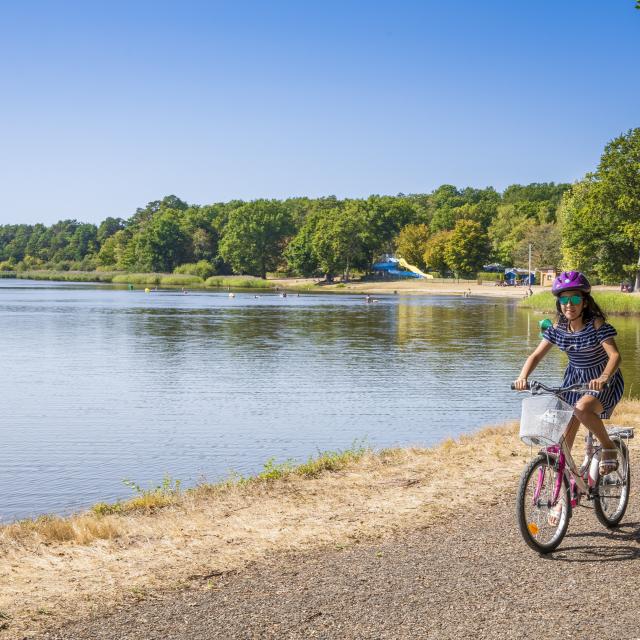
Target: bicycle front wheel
{"type": "Point", "coordinates": [612, 496]}
{"type": "Point", "coordinates": [542, 523]}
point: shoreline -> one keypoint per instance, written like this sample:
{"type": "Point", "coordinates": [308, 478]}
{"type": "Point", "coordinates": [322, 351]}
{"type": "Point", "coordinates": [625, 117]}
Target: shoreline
{"type": "Point", "coordinates": [300, 285]}
{"type": "Point", "coordinates": [411, 287]}
{"type": "Point", "coordinates": [130, 556]}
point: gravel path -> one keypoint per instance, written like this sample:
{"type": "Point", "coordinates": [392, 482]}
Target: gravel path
{"type": "Point", "coordinates": [473, 577]}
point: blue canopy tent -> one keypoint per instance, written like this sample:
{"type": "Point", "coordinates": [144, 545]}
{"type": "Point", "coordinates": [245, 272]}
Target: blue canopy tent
{"type": "Point", "coordinates": [520, 276]}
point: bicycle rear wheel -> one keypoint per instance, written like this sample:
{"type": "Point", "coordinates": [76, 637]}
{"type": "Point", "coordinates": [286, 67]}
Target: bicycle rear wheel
{"type": "Point", "coordinates": [612, 498]}
{"type": "Point", "coordinates": [534, 506]}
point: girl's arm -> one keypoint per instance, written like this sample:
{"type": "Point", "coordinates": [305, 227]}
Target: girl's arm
{"type": "Point", "coordinates": [615, 359]}
{"type": "Point", "coordinates": [531, 363]}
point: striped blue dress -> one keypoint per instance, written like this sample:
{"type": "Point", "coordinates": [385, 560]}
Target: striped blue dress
{"type": "Point", "coordinates": [587, 360]}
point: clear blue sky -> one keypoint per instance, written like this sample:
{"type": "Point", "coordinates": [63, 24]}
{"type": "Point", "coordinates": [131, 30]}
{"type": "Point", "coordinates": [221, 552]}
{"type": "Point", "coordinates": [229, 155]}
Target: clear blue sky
{"type": "Point", "coordinates": [107, 105]}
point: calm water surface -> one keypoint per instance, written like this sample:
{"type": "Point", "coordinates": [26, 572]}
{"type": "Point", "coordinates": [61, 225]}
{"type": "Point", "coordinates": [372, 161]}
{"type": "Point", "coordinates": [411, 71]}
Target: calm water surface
{"type": "Point", "coordinates": [102, 384]}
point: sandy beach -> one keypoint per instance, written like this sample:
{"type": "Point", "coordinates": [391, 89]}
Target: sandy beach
{"type": "Point", "coordinates": [408, 287]}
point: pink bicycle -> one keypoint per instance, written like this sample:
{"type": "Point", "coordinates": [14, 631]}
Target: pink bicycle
{"type": "Point", "coordinates": [552, 485]}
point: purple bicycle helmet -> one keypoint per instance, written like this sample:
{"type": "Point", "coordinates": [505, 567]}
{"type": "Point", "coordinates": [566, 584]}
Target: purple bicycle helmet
{"type": "Point", "coordinates": [570, 280]}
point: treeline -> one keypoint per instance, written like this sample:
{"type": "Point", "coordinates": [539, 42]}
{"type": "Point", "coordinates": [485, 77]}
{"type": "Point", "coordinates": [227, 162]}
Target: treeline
{"type": "Point", "coordinates": [593, 225]}
{"type": "Point", "coordinates": [449, 229]}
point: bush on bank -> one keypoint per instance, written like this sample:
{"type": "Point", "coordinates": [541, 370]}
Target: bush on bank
{"type": "Point", "coordinates": [203, 269]}
{"type": "Point", "coordinates": [68, 276]}
{"type": "Point", "coordinates": [235, 282]}
{"type": "Point", "coordinates": [177, 279]}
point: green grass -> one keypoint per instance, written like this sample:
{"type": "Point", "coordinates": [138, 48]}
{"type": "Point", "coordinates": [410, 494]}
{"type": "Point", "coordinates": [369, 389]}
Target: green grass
{"type": "Point", "coordinates": [613, 302]}
{"type": "Point", "coordinates": [138, 278]}
{"type": "Point", "coordinates": [68, 276]}
{"type": "Point", "coordinates": [181, 279]}
{"type": "Point", "coordinates": [236, 282]}
{"type": "Point", "coordinates": [313, 467]}
{"type": "Point", "coordinates": [169, 491]}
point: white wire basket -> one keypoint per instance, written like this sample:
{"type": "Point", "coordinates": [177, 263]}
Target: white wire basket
{"type": "Point", "coordinates": [543, 420]}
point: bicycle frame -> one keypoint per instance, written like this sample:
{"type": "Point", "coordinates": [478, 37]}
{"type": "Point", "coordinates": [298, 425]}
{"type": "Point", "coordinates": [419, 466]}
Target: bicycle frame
{"type": "Point", "coordinates": [566, 466]}
{"type": "Point", "coordinates": [565, 463]}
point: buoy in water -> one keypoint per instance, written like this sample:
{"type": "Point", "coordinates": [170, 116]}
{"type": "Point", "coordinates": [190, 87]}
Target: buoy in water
{"type": "Point", "coordinates": [232, 295]}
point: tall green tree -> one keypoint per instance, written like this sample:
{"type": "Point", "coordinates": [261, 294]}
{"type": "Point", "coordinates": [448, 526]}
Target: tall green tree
{"type": "Point", "coordinates": [255, 236]}
{"type": "Point", "coordinates": [339, 240]}
{"type": "Point", "coordinates": [108, 227]}
{"type": "Point", "coordinates": [411, 244]}
{"type": "Point", "coordinates": [162, 244]}
{"type": "Point", "coordinates": [546, 250]}
{"type": "Point", "coordinates": [600, 216]}
{"type": "Point", "coordinates": [506, 231]}
{"type": "Point", "coordinates": [468, 248]}
{"type": "Point", "coordinates": [435, 253]}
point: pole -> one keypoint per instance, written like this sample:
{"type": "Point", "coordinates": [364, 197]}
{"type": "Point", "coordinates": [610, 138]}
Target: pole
{"type": "Point", "coordinates": [529, 274]}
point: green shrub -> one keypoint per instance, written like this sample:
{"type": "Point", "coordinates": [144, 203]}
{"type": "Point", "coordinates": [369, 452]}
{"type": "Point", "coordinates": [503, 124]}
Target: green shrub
{"type": "Point", "coordinates": [138, 278]}
{"type": "Point", "coordinates": [66, 276]}
{"type": "Point", "coordinates": [238, 282]}
{"type": "Point", "coordinates": [8, 265]}
{"type": "Point", "coordinates": [180, 279]}
{"type": "Point", "coordinates": [203, 269]}
{"type": "Point", "coordinates": [489, 276]}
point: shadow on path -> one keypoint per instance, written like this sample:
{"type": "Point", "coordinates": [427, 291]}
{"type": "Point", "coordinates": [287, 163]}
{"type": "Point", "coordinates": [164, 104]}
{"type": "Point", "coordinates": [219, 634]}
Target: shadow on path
{"type": "Point", "coordinates": [627, 533]}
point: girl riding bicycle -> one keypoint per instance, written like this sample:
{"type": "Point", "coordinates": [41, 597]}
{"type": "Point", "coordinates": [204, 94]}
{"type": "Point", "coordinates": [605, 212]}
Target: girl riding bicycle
{"type": "Point", "coordinates": [581, 331]}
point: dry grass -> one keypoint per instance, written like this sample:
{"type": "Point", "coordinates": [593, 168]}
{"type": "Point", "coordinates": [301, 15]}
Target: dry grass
{"type": "Point", "coordinates": [82, 529]}
{"type": "Point", "coordinates": [89, 563]}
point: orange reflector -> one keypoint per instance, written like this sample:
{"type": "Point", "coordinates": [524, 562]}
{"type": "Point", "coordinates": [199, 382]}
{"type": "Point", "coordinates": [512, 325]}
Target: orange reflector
{"type": "Point", "coordinates": [533, 528]}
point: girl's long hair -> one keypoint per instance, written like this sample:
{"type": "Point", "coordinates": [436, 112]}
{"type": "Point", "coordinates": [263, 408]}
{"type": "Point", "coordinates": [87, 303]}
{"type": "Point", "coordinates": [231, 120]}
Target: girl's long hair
{"type": "Point", "coordinates": [590, 310]}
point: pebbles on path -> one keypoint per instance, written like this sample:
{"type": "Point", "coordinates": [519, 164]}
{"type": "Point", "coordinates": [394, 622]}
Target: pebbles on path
{"type": "Point", "coordinates": [471, 578]}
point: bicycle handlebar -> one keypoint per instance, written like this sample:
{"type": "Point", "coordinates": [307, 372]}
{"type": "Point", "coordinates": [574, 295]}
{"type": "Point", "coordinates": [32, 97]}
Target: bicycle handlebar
{"type": "Point", "coordinates": [535, 386]}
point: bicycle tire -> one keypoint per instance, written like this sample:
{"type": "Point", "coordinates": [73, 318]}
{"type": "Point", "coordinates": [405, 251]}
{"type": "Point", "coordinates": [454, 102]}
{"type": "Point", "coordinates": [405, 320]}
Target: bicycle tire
{"type": "Point", "coordinates": [532, 517]}
{"type": "Point", "coordinates": [604, 501]}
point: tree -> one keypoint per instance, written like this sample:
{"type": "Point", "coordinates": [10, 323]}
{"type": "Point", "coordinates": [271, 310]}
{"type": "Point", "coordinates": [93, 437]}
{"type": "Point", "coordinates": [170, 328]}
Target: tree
{"type": "Point", "coordinates": [162, 244]}
{"type": "Point", "coordinates": [600, 216]}
{"type": "Point", "coordinates": [436, 252]}
{"type": "Point", "coordinates": [108, 227]}
{"type": "Point", "coordinates": [339, 238]}
{"type": "Point", "coordinates": [507, 230]}
{"type": "Point", "coordinates": [411, 244]}
{"type": "Point", "coordinates": [255, 236]}
{"type": "Point", "coordinates": [300, 252]}
{"type": "Point", "coordinates": [141, 216]}
{"type": "Point", "coordinates": [382, 218]}
{"type": "Point", "coordinates": [545, 241]}
{"type": "Point", "coordinates": [468, 248]}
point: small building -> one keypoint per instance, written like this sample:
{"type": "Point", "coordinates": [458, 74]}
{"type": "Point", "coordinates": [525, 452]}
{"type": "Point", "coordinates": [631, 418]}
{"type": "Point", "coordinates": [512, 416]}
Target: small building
{"type": "Point", "coordinates": [547, 276]}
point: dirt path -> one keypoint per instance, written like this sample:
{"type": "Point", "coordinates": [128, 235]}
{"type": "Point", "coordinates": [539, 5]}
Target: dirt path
{"type": "Point", "coordinates": [471, 577]}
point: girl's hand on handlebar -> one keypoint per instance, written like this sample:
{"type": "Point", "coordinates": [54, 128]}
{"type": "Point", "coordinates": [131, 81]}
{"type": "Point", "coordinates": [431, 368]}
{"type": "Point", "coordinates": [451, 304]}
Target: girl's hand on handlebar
{"type": "Point", "coordinates": [599, 383]}
{"type": "Point", "coordinates": [520, 384]}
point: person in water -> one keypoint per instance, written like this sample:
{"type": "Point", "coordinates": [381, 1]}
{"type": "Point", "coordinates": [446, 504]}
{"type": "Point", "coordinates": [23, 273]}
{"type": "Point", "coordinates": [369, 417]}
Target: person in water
{"type": "Point", "coordinates": [582, 332]}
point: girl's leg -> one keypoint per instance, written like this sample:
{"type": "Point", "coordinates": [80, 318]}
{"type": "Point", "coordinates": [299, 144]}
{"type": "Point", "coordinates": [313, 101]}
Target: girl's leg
{"type": "Point", "coordinates": [588, 410]}
{"type": "Point", "coordinates": [571, 431]}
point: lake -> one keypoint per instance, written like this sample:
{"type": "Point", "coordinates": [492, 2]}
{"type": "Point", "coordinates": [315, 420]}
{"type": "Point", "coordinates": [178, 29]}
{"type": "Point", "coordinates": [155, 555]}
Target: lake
{"type": "Point", "coordinates": [103, 384]}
